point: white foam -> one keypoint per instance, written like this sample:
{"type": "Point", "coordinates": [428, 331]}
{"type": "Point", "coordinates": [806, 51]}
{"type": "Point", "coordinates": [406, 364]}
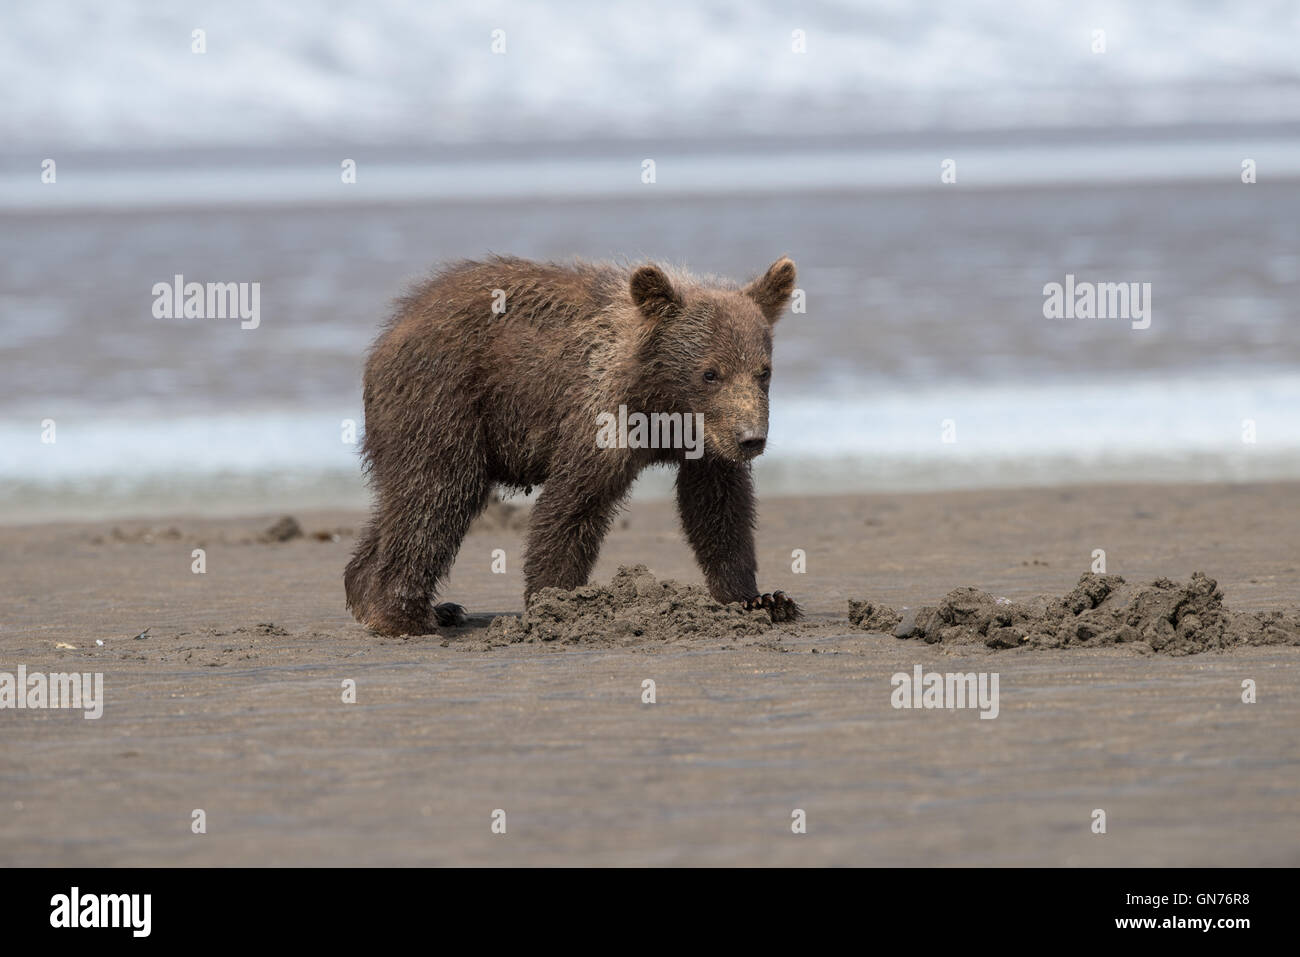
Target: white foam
{"type": "Point", "coordinates": [123, 75]}
{"type": "Point", "coordinates": [1185, 428]}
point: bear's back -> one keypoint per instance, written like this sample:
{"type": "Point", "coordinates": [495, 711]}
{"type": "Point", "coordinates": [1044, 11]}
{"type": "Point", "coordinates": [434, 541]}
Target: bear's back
{"type": "Point", "coordinates": [508, 295]}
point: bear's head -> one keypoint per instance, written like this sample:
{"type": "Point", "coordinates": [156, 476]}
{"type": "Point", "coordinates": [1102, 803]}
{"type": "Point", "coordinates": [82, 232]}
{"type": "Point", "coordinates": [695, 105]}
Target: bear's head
{"type": "Point", "coordinates": [708, 349]}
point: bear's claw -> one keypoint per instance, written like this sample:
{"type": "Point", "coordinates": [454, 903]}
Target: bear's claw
{"type": "Point", "coordinates": [450, 615]}
{"type": "Point", "coordinates": [777, 604]}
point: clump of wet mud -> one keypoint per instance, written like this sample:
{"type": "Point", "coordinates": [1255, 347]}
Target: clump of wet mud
{"type": "Point", "coordinates": [135, 536]}
{"type": "Point", "coordinates": [870, 616]}
{"type": "Point", "coordinates": [285, 530]}
{"type": "Point", "coordinates": [634, 608]}
{"type": "Point", "coordinates": [1163, 616]}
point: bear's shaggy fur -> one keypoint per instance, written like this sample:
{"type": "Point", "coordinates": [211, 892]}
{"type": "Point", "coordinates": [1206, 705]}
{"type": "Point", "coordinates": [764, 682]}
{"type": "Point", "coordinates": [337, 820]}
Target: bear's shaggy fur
{"type": "Point", "coordinates": [460, 398]}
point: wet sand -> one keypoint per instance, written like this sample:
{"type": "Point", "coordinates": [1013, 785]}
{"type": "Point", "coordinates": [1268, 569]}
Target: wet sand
{"type": "Point", "coordinates": [232, 700]}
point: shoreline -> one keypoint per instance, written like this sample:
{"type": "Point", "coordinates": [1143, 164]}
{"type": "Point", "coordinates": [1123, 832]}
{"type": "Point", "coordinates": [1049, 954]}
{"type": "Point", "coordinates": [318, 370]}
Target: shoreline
{"type": "Point", "coordinates": [900, 548]}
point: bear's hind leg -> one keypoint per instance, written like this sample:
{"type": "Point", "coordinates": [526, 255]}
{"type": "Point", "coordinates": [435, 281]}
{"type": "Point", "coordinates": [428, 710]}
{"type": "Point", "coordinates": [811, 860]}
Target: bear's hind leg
{"type": "Point", "coordinates": [358, 579]}
{"type": "Point", "coordinates": [414, 542]}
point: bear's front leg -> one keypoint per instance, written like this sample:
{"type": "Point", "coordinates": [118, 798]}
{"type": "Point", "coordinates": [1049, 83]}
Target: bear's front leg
{"type": "Point", "coordinates": [569, 522]}
{"type": "Point", "coordinates": [716, 501]}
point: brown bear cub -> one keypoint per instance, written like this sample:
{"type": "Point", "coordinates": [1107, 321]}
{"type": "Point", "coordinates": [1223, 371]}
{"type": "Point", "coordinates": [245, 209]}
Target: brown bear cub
{"type": "Point", "coordinates": [500, 373]}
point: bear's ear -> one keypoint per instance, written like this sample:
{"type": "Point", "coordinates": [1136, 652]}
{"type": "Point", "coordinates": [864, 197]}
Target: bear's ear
{"type": "Point", "coordinates": [773, 289]}
{"type": "Point", "coordinates": [653, 293]}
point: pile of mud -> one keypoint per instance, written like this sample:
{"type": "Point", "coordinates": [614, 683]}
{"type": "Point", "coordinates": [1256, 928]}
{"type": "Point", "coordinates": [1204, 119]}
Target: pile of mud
{"type": "Point", "coordinates": [634, 608]}
{"type": "Point", "coordinates": [287, 529]}
{"type": "Point", "coordinates": [1168, 617]}
{"type": "Point", "coordinates": [205, 533]}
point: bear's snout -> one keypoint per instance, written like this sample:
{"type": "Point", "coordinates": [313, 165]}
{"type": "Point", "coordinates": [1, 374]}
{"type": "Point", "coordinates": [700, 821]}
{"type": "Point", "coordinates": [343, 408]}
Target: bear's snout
{"type": "Point", "coordinates": [752, 441]}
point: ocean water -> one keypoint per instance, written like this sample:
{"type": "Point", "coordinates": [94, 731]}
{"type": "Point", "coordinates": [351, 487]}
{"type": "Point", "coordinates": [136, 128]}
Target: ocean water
{"type": "Point", "coordinates": [103, 182]}
{"type": "Point", "coordinates": [923, 307]}
{"type": "Point", "coordinates": [923, 360]}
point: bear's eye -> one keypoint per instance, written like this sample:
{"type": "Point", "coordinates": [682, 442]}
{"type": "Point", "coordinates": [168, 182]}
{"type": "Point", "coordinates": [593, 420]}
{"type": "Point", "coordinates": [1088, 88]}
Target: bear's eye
{"type": "Point", "coordinates": [764, 374]}
{"type": "Point", "coordinates": [711, 375]}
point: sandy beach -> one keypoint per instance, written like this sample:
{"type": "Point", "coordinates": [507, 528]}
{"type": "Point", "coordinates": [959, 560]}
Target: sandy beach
{"type": "Point", "coordinates": [223, 692]}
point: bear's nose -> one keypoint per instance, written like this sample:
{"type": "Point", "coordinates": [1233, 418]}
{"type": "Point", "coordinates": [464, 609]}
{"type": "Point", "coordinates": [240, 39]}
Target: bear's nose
{"type": "Point", "coordinates": [752, 441]}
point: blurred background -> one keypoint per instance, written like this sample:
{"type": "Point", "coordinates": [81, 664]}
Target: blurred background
{"type": "Point", "coordinates": [817, 130]}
